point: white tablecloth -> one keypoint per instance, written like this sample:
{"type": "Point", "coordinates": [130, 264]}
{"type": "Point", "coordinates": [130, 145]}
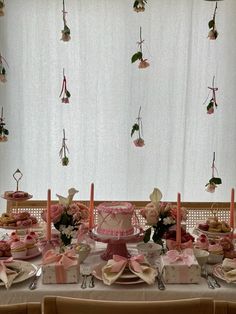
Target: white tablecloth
{"type": "Point", "coordinates": [21, 293]}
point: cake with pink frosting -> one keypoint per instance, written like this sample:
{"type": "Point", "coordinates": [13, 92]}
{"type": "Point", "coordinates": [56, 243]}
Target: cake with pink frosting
{"type": "Point", "coordinates": [31, 245]}
{"type": "Point", "coordinates": [115, 219]}
{"type": "Point", "coordinates": [202, 242]}
{"type": "Point", "coordinates": [18, 249]}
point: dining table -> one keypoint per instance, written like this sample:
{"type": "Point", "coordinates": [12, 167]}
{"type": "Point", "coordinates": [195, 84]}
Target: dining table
{"type": "Point", "coordinates": [128, 291]}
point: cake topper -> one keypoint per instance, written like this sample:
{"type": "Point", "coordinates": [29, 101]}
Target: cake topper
{"type": "Point", "coordinates": [3, 131]}
{"type": "Point", "coordinates": [64, 150]}
{"type": "Point", "coordinates": [214, 181]}
{"type": "Point", "coordinates": [138, 127]}
{"type": "Point", "coordinates": [64, 91]}
{"type": "Point", "coordinates": [139, 55]}
{"type": "Point", "coordinates": [66, 31]}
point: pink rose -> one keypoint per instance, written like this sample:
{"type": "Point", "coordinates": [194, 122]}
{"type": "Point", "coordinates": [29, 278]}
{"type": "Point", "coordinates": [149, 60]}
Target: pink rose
{"type": "Point", "coordinates": [143, 64]}
{"type": "Point", "coordinates": [139, 142]}
{"type": "Point", "coordinates": [213, 34]}
{"type": "Point", "coordinates": [210, 110]}
{"type": "Point", "coordinates": [150, 213]}
{"type": "Point", "coordinates": [183, 213]}
{"type": "Point", "coordinates": [56, 212]}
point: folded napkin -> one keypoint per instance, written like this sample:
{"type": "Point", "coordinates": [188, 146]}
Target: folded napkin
{"type": "Point", "coordinates": [229, 268]}
{"type": "Point", "coordinates": [7, 274]}
{"type": "Point", "coordinates": [136, 264]}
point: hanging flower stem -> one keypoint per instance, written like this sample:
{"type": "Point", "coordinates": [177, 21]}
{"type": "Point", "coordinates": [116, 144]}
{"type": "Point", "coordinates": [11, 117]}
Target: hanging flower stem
{"type": "Point", "coordinates": [214, 181]}
{"type": "Point", "coordinates": [3, 72]}
{"type": "Point", "coordinates": [138, 127]}
{"type": "Point", "coordinates": [212, 104]}
{"type": "Point", "coordinates": [213, 34]}
{"type": "Point", "coordinates": [64, 91]}
{"type": "Point", "coordinates": [3, 131]}
{"type": "Point", "coordinates": [64, 150]}
{"type": "Point", "coordinates": [66, 31]}
{"type": "Point", "coordinates": [139, 55]}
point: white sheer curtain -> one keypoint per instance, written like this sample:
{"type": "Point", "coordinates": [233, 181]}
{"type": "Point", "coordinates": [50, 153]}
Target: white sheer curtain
{"type": "Point", "coordinates": [107, 91]}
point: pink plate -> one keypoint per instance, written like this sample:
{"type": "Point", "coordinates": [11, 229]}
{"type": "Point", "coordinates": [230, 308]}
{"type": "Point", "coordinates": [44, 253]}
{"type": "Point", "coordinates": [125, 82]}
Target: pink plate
{"type": "Point", "coordinates": [20, 227]}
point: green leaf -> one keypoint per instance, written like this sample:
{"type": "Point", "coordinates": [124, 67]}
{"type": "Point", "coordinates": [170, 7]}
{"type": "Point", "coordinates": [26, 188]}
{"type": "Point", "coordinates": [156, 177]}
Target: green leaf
{"type": "Point", "coordinates": [147, 235]}
{"type": "Point", "coordinates": [137, 56]}
{"type": "Point", "coordinates": [211, 23]}
{"type": "Point", "coordinates": [134, 128]}
{"type": "Point", "coordinates": [66, 30]}
{"type": "Point", "coordinates": [136, 2]}
{"type": "Point", "coordinates": [5, 131]}
{"type": "Point", "coordinates": [215, 180]}
{"type": "Point", "coordinates": [3, 71]}
{"type": "Point", "coordinates": [68, 94]}
{"type": "Point", "coordinates": [211, 104]}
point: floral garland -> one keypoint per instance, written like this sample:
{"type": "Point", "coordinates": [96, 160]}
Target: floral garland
{"type": "Point", "coordinates": [66, 31]}
{"type": "Point", "coordinates": [213, 34]}
{"type": "Point", "coordinates": [214, 181]}
{"type": "Point", "coordinates": [138, 127]}
{"type": "Point", "coordinates": [64, 150]}
{"type": "Point", "coordinates": [64, 91]}
{"type": "Point", "coordinates": [3, 131]}
{"type": "Point", "coordinates": [2, 5]}
{"type": "Point", "coordinates": [139, 55]}
{"type": "Point", "coordinates": [3, 72]}
{"type": "Point", "coordinates": [139, 5]}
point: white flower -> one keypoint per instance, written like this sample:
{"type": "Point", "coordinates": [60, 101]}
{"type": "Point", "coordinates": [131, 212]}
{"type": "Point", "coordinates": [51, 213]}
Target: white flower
{"type": "Point", "coordinates": [168, 221]}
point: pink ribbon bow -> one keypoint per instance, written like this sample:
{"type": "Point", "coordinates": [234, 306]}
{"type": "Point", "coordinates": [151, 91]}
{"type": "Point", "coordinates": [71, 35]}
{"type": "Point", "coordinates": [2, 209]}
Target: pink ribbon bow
{"type": "Point", "coordinates": [133, 262]}
{"type": "Point", "coordinates": [186, 256]}
{"type": "Point", "coordinates": [66, 259]}
{"type": "Point", "coordinates": [172, 245]}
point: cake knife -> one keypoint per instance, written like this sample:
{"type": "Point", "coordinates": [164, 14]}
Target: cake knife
{"type": "Point", "coordinates": [33, 284]}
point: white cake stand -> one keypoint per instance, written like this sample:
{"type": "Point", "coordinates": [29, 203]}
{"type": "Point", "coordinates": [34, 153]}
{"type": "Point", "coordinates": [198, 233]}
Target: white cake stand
{"type": "Point", "coordinates": [116, 245]}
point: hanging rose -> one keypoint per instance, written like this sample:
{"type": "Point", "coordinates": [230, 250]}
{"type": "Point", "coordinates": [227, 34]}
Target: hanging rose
{"type": "Point", "coordinates": [213, 34]}
{"type": "Point", "coordinates": [137, 127]}
{"type": "Point", "coordinates": [3, 73]}
{"type": "Point", "coordinates": [139, 55]}
{"type": "Point", "coordinates": [214, 181]}
{"type": "Point", "coordinates": [2, 8]}
{"type": "Point", "coordinates": [64, 91]}
{"type": "Point", "coordinates": [64, 151]}
{"type": "Point", "coordinates": [66, 31]}
{"type": "Point", "coordinates": [139, 5]}
{"type": "Point", "coordinates": [212, 105]}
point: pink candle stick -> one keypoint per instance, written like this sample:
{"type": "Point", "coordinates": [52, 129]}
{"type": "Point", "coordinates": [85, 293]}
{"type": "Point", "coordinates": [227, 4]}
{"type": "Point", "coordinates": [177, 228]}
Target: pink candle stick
{"type": "Point", "coordinates": [178, 222]}
{"type": "Point", "coordinates": [232, 210]}
{"type": "Point", "coordinates": [91, 207]}
{"type": "Point", "coordinates": [49, 231]}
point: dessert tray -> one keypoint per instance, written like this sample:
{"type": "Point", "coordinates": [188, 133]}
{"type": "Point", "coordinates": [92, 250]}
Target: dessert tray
{"type": "Point", "coordinates": [19, 227]}
{"type": "Point", "coordinates": [212, 234]}
{"type": "Point", "coordinates": [25, 271]}
{"type": "Point", "coordinates": [127, 278]}
{"type": "Point", "coordinates": [16, 199]}
{"type": "Point", "coordinates": [219, 273]}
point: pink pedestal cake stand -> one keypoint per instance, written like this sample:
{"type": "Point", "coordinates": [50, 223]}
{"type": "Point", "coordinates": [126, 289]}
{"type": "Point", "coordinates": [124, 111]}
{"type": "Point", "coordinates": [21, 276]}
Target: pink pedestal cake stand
{"type": "Point", "coordinates": [116, 245]}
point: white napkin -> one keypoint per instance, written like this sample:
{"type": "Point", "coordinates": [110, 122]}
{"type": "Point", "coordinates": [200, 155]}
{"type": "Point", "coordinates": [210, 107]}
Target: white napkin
{"type": "Point", "coordinates": [229, 268]}
{"type": "Point", "coordinates": [7, 275]}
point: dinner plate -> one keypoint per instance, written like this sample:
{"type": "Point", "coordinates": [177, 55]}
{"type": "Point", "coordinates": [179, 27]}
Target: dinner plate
{"type": "Point", "coordinates": [23, 258]}
{"type": "Point", "coordinates": [124, 279]}
{"type": "Point", "coordinates": [17, 199]}
{"type": "Point", "coordinates": [219, 273]}
{"type": "Point", "coordinates": [27, 270]}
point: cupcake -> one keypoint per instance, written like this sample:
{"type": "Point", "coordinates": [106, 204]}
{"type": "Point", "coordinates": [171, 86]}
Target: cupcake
{"type": "Point", "coordinates": [13, 236]}
{"type": "Point", "coordinates": [33, 235]}
{"type": "Point", "coordinates": [18, 249]}
{"type": "Point", "coordinates": [31, 245]}
{"type": "Point", "coordinates": [202, 242]}
{"type": "Point", "coordinates": [5, 249]}
{"type": "Point", "coordinates": [216, 253]}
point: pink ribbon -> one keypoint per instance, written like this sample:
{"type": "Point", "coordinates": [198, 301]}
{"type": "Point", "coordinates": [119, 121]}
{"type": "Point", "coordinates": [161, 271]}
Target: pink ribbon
{"type": "Point", "coordinates": [133, 262]}
{"type": "Point", "coordinates": [186, 256]}
{"type": "Point", "coordinates": [172, 245]}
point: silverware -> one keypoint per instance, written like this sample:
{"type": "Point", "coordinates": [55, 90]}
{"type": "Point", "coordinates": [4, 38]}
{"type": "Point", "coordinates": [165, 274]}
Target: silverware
{"type": "Point", "coordinates": [91, 282]}
{"type": "Point", "coordinates": [160, 283]}
{"type": "Point", "coordinates": [208, 279]}
{"type": "Point", "coordinates": [84, 281]}
{"type": "Point", "coordinates": [33, 284]}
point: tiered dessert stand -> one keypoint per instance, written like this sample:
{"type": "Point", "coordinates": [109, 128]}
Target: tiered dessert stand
{"type": "Point", "coordinates": [117, 245]}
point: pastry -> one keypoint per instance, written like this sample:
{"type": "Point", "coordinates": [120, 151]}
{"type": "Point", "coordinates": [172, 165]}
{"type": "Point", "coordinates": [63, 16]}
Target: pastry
{"type": "Point", "coordinates": [18, 249]}
{"type": "Point", "coordinates": [31, 245]}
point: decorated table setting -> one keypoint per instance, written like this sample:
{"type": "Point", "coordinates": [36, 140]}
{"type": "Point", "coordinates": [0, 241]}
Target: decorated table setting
{"type": "Point", "coordinates": [111, 260]}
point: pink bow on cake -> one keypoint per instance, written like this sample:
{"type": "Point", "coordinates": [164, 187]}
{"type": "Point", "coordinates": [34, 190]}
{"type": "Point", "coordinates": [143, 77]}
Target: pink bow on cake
{"type": "Point", "coordinates": [186, 256]}
{"type": "Point", "coordinates": [121, 262]}
{"type": "Point", "coordinates": [66, 259]}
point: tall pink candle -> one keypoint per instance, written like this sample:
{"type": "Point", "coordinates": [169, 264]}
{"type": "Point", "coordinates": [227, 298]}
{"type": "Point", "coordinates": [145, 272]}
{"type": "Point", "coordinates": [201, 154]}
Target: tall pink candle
{"type": "Point", "coordinates": [232, 210]}
{"type": "Point", "coordinates": [49, 231]}
{"type": "Point", "coordinates": [91, 207]}
{"type": "Point", "coordinates": [178, 222]}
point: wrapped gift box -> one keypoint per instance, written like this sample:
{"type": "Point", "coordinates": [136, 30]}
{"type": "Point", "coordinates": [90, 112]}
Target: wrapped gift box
{"type": "Point", "coordinates": [60, 268]}
{"type": "Point", "coordinates": [180, 267]}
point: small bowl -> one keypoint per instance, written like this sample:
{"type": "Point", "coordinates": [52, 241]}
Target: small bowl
{"type": "Point", "coordinates": [215, 258]}
{"type": "Point", "coordinates": [83, 250]}
{"type": "Point", "coordinates": [201, 256]}
{"type": "Point", "coordinates": [150, 250]}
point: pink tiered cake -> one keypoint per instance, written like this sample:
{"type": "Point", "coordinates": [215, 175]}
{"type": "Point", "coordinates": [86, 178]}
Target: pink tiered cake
{"type": "Point", "coordinates": [115, 219]}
